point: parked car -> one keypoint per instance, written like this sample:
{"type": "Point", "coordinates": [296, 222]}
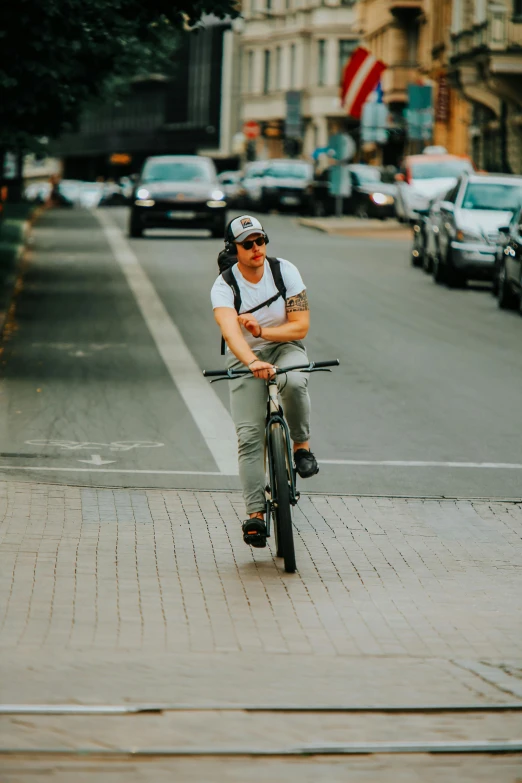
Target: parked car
{"type": "Point", "coordinates": [421, 228]}
{"type": "Point", "coordinates": [249, 195]}
{"type": "Point", "coordinates": [369, 196]}
{"type": "Point", "coordinates": [178, 191]}
{"type": "Point", "coordinates": [230, 184]}
{"type": "Point", "coordinates": [468, 226]}
{"type": "Point", "coordinates": [509, 265]}
{"type": "Point", "coordinates": [284, 185]}
{"type": "Point", "coordinates": [422, 178]}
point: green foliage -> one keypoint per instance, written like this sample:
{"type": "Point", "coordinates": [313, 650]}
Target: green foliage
{"type": "Point", "coordinates": [58, 55]}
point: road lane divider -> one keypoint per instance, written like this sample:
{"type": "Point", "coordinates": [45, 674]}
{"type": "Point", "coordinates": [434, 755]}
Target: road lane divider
{"type": "Point", "coordinates": [209, 414]}
{"type": "Point", "coordinates": [422, 464]}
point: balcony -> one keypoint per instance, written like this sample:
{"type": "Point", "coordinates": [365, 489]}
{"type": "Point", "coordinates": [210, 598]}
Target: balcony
{"type": "Point", "coordinates": [498, 33]}
{"type": "Point", "coordinates": [405, 11]}
{"type": "Point", "coordinates": [395, 80]}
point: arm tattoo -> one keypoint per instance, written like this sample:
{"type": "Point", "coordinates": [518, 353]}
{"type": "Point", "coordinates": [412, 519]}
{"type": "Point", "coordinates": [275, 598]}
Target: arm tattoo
{"type": "Point", "coordinates": [298, 303]}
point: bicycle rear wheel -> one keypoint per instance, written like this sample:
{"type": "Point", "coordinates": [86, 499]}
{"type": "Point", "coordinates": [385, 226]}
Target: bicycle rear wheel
{"type": "Point", "coordinates": [281, 495]}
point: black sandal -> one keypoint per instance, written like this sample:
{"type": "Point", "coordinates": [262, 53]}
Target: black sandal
{"type": "Point", "coordinates": [254, 532]}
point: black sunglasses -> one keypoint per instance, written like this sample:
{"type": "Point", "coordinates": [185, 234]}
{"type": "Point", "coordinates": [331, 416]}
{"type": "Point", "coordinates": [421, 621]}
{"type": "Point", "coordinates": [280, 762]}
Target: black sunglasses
{"type": "Point", "coordinates": [248, 244]}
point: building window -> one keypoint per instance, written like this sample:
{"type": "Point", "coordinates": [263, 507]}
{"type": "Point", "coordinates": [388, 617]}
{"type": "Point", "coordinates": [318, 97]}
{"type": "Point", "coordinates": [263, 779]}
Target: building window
{"type": "Point", "coordinates": [268, 5]}
{"type": "Point", "coordinates": [250, 72]}
{"type": "Point", "coordinates": [278, 68]}
{"type": "Point", "coordinates": [321, 62]}
{"type": "Point", "coordinates": [517, 10]}
{"type": "Point", "coordinates": [266, 72]}
{"type": "Point", "coordinates": [346, 48]}
{"type": "Point", "coordinates": [292, 66]}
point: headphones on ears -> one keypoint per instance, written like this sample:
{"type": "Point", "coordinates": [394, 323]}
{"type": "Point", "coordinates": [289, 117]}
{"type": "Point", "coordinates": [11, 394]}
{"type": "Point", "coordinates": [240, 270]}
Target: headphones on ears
{"type": "Point", "coordinates": [230, 245]}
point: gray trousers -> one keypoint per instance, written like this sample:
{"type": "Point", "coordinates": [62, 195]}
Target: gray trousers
{"type": "Point", "coordinates": [248, 399]}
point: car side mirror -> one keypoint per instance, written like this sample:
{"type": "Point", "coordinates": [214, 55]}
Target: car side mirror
{"type": "Point", "coordinates": [447, 205]}
{"type": "Point", "coordinates": [400, 178]}
{"type": "Point", "coordinates": [503, 230]}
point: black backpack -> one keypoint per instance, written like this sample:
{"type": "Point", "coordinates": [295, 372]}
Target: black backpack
{"type": "Point", "coordinates": [226, 261]}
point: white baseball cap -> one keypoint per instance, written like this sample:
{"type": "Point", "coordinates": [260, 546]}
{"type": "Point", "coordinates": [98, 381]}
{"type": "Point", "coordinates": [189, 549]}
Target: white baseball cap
{"type": "Point", "coordinates": [245, 225]}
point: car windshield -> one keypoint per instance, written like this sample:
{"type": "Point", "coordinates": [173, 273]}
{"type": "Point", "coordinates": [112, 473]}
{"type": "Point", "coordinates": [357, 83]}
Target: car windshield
{"type": "Point", "coordinates": [368, 175]}
{"type": "Point", "coordinates": [440, 169]}
{"type": "Point", "coordinates": [175, 171]}
{"type": "Point", "coordinates": [490, 195]}
{"type": "Point", "coordinates": [289, 171]}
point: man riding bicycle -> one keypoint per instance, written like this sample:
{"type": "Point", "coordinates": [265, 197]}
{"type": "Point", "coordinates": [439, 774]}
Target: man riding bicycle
{"type": "Point", "coordinates": [274, 289]}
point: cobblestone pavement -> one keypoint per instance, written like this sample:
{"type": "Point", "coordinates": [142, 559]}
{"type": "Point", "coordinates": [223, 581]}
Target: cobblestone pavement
{"type": "Point", "coordinates": [111, 596]}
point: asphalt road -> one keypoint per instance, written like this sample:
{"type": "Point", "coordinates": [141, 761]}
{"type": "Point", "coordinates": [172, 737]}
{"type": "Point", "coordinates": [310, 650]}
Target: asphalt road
{"type": "Point", "coordinates": [100, 368]}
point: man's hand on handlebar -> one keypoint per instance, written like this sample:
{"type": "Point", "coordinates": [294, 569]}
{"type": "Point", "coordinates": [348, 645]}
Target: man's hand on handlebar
{"type": "Point", "coordinates": [263, 370]}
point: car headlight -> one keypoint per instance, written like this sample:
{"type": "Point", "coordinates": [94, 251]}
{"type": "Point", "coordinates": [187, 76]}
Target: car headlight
{"type": "Point", "coordinates": [464, 235]}
{"type": "Point", "coordinates": [216, 203]}
{"type": "Point", "coordinates": [217, 195]}
{"type": "Point", "coordinates": [381, 198]}
{"type": "Point", "coordinates": [143, 194]}
{"type": "Point", "coordinates": [144, 202]}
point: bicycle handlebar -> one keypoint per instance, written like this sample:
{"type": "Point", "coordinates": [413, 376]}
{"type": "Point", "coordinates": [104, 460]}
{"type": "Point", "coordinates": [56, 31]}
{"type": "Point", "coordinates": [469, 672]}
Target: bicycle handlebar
{"type": "Point", "coordinates": [279, 371]}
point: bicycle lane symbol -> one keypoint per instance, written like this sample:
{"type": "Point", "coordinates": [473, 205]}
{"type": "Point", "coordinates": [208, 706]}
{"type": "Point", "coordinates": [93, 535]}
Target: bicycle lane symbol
{"type": "Point", "coordinates": [94, 446]}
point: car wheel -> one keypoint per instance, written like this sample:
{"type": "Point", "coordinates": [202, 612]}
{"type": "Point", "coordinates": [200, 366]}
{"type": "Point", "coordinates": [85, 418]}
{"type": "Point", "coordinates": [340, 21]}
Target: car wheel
{"type": "Point", "coordinates": [438, 270]}
{"type": "Point", "coordinates": [361, 211]}
{"type": "Point", "coordinates": [135, 228]}
{"type": "Point", "coordinates": [507, 300]}
{"type": "Point", "coordinates": [217, 230]}
{"type": "Point", "coordinates": [454, 278]}
{"type": "Point", "coordinates": [318, 209]}
{"type": "Point", "coordinates": [427, 263]}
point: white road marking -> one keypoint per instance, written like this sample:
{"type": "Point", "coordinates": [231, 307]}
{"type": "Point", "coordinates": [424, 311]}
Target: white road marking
{"type": "Point", "coordinates": [207, 410]}
{"type": "Point", "coordinates": [117, 470]}
{"type": "Point", "coordinates": [97, 460]}
{"type": "Point", "coordinates": [421, 464]}
{"type": "Point", "coordinates": [76, 445]}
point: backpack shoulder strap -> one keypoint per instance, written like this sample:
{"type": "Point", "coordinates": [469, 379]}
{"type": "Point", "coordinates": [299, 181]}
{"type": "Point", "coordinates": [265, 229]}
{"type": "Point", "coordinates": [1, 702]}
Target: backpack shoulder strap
{"type": "Point", "coordinates": [275, 267]}
{"type": "Point", "coordinates": [230, 279]}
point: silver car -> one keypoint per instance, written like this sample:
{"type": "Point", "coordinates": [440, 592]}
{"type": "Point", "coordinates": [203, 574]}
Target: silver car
{"type": "Point", "coordinates": [467, 221]}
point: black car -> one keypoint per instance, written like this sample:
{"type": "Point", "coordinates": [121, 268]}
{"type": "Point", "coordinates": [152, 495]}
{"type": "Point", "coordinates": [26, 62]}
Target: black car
{"type": "Point", "coordinates": [370, 196]}
{"type": "Point", "coordinates": [509, 265]}
{"type": "Point", "coordinates": [284, 185]}
{"type": "Point", "coordinates": [178, 191]}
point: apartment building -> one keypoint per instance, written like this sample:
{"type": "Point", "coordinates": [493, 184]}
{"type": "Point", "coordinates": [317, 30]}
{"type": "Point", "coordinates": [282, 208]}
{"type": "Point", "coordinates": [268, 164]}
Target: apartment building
{"type": "Point", "coordinates": [299, 46]}
{"type": "Point", "coordinates": [396, 32]}
{"type": "Point", "coordinates": [452, 111]}
{"type": "Point", "coordinates": [486, 67]}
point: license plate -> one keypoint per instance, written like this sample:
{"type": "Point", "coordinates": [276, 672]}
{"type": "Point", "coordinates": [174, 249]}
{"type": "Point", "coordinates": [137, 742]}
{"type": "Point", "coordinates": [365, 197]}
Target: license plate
{"type": "Point", "coordinates": [289, 200]}
{"type": "Point", "coordinates": [181, 215]}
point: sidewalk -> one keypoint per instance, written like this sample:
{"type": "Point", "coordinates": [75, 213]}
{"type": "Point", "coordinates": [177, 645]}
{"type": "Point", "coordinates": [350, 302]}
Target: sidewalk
{"type": "Point", "coordinates": [150, 596]}
{"type": "Point", "coordinates": [358, 227]}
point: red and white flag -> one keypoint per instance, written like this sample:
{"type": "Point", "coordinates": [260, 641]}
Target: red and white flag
{"type": "Point", "coordinates": [360, 77]}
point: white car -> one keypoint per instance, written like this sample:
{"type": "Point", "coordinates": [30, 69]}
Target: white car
{"type": "Point", "coordinates": [252, 184]}
{"type": "Point", "coordinates": [424, 177]}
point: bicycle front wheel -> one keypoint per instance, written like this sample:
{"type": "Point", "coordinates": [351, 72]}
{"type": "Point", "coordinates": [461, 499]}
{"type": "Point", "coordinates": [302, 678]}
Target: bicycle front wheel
{"type": "Point", "coordinates": [281, 498]}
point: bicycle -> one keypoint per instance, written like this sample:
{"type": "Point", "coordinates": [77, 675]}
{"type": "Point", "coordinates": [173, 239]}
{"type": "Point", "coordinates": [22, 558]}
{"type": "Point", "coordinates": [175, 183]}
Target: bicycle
{"type": "Point", "coordinates": [281, 491]}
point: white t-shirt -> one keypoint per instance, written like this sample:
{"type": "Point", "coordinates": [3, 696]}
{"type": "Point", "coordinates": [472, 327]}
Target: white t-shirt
{"type": "Point", "coordinates": [253, 294]}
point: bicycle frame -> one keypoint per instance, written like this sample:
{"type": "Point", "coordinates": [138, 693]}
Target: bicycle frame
{"type": "Point", "coordinates": [274, 414]}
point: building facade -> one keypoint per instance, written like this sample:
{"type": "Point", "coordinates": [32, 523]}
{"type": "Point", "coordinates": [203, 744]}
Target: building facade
{"type": "Point", "coordinates": [413, 38]}
{"type": "Point", "coordinates": [486, 68]}
{"type": "Point", "coordinates": [299, 46]}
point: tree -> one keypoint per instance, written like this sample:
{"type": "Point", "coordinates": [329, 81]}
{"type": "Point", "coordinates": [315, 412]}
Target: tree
{"type": "Point", "coordinates": [57, 55]}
